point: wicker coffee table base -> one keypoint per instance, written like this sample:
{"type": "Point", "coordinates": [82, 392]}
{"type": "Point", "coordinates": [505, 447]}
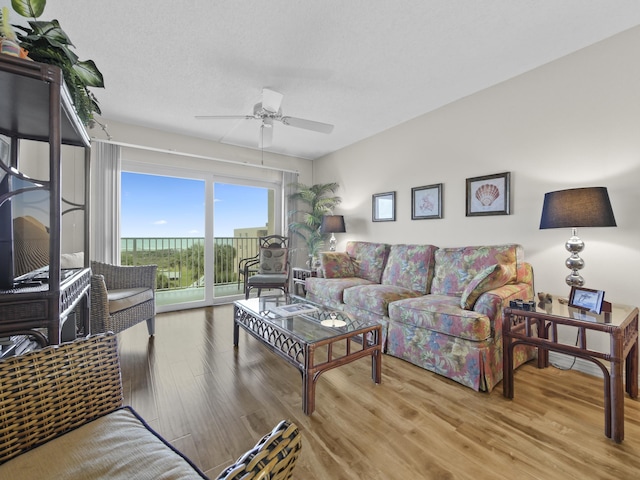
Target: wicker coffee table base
{"type": "Point", "coordinates": [312, 358]}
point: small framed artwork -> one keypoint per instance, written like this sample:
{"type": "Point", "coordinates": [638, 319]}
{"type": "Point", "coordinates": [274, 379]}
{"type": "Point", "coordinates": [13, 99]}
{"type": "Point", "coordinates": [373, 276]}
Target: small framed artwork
{"type": "Point", "coordinates": [426, 202]}
{"type": "Point", "coordinates": [586, 299]}
{"type": "Point", "coordinates": [489, 195]}
{"type": "Point", "coordinates": [384, 207]}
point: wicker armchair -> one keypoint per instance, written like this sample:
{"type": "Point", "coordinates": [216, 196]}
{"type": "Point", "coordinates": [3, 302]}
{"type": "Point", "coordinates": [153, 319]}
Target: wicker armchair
{"type": "Point", "coordinates": [61, 416]}
{"type": "Point", "coordinates": [122, 296]}
{"type": "Point", "coordinates": [48, 392]}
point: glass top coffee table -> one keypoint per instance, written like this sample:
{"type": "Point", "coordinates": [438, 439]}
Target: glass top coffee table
{"type": "Point", "coordinates": [308, 336]}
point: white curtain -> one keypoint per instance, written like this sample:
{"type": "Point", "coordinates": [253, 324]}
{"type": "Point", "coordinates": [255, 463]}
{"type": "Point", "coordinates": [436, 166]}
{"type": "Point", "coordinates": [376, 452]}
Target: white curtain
{"type": "Point", "coordinates": [105, 203]}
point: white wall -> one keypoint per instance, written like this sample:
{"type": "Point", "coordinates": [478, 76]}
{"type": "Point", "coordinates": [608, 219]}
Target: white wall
{"type": "Point", "coordinates": [572, 123]}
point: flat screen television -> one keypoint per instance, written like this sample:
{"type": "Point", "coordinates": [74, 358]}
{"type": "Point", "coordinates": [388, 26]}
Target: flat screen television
{"type": "Point", "coordinates": [24, 234]}
{"type": "Point", "coordinates": [6, 235]}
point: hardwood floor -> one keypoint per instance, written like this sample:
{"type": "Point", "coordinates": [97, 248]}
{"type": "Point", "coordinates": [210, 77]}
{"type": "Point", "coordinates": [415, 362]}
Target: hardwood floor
{"type": "Point", "coordinates": [213, 403]}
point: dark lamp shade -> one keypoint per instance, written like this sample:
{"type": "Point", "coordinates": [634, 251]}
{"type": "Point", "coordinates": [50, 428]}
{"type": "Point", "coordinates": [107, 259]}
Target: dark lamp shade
{"type": "Point", "coordinates": [577, 207]}
{"type": "Point", "coordinates": [332, 224]}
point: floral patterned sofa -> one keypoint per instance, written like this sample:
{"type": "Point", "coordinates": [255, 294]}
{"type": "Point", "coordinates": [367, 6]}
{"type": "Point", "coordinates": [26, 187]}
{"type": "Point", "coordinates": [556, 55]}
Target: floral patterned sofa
{"type": "Point", "coordinates": [441, 308]}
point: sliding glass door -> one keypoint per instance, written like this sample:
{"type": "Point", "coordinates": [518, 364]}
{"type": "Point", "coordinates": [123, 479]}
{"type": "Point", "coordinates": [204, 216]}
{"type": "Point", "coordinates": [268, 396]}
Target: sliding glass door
{"type": "Point", "coordinates": [196, 230]}
{"type": "Point", "coordinates": [241, 214]}
{"type": "Point", "coordinates": [163, 223]}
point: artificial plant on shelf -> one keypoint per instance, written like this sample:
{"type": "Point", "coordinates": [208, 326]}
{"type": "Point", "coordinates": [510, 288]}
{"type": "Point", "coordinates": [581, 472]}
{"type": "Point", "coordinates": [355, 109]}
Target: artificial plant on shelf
{"type": "Point", "coordinates": [46, 42]}
{"type": "Point", "coordinates": [311, 204]}
{"type": "Point", "coordinates": [8, 40]}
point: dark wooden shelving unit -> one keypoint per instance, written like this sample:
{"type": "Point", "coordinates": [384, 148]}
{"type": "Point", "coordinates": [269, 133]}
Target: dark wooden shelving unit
{"type": "Point", "coordinates": [35, 105]}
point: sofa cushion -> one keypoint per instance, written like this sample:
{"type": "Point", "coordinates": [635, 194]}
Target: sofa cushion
{"type": "Point", "coordinates": [123, 298]}
{"type": "Point", "coordinates": [337, 265]}
{"type": "Point", "coordinates": [488, 279]}
{"type": "Point", "coordinates": [456, 267]}
{"type": "Point", "coordinates": [369, 258]}
{"type": "Point", "coordinates": [376, 298]}
{"type": "Point", "coordinates": [441, 313]}
{"type": "Point", "coordinates": [410, 266]}
{"type": "Point", "coordinates": [330, 290]}
{"type": "Point", "coordinates": [118, 445]}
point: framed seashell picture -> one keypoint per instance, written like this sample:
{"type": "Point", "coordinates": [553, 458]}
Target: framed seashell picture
{"type": "Point", "coordinates": [489, 195]}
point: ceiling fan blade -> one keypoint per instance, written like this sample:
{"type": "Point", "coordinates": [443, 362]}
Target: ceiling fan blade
{"type": "Point", "coordinates": [224, 117]}
{"type": "Point", "coordinates": [271, 100]}
{"type": "Point", "coordinates": [266, 133]}
{"type": "Point", "coordinates": [307, 124]}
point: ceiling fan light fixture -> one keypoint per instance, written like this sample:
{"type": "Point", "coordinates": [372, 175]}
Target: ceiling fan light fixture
{"type": "Point", "coordinates": [271, 100]}
{"type": "Point", "coordinates": [268, 111]}
{"type": "Point", "coordinates": [266, 133]}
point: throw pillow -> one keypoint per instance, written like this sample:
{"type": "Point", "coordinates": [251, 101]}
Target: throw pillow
{"type": "Point", "coordinates": [72, 260]}
{"type": "Point", "coordinates": [491, 277]}
{"type": "Point", "coordinates": [273, 260]}
{"type": "Point", "coordinates": [337, 265]}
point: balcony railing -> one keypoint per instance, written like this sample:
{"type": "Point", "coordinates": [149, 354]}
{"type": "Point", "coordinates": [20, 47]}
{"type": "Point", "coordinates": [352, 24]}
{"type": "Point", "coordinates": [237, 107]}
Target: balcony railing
{"type": "Point", "coordinates": [181, 262]}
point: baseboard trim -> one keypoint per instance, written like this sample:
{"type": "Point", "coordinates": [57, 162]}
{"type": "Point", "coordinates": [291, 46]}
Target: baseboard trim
{"type": "Point", "coordinates": [565, 362]}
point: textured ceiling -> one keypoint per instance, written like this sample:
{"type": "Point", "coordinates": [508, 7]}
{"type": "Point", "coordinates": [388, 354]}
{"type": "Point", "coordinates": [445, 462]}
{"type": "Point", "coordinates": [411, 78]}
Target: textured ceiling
{"type": "Point", "coordinates": [362, 65]}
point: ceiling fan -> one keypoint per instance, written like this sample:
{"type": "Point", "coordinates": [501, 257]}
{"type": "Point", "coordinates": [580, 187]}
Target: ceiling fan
{"type": "Point", "coordinates": [267, 111]}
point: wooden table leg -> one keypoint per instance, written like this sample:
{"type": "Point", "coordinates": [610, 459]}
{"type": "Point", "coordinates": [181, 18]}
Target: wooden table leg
{"type": "Point", "coordinates": [308, 392]}
{"type": "Point", "coordinates": [376, 366]}
{"type": "Point", "coordinates": [617, 403]}
{"type": "Point", "coordinates": [236, 327]}
{"type": "Point", "coordinates": [631, 371]}
{"type": "Point", "coordinates": [507, 359]}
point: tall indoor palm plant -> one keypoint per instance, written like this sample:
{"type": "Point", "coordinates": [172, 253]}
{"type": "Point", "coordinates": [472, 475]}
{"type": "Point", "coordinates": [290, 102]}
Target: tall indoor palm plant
{"type": "Point", "coordinates": [310, 204]}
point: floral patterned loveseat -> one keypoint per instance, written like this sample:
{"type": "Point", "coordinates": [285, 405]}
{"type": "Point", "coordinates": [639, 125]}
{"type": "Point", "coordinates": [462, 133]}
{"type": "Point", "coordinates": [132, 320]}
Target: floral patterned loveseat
{"type": "Point", "coordinates": [441, 308]}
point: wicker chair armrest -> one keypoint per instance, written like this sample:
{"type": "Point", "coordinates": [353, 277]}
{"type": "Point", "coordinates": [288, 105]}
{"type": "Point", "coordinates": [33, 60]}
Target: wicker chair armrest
{"type": "Point", "coordinates": [120, 276]}
{"type": "Point", "coordinates": [99, 304]}
{"type": "Point", "coordinates": [274, 456]}
{"type": "Point", "coordinates": [48, 392]}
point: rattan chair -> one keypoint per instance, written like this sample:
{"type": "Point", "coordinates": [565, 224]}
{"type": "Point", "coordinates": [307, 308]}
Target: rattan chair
{"type": "Point", "coordinates": [274, 456]}
{"type": "Point", "coordinates": [48, 392]}
{"type": "Point", "coordinates": [271, 266]}
{"type": "Point", "coordinates": [62, 389]}
{"type": "Point", "coordinates": [122, 296]}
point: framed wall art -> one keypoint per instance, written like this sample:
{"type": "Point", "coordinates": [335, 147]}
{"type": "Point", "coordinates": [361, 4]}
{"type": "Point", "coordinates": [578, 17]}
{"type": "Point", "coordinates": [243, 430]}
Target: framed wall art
{"type": "Point", "coordinates": [489, 195]}
{"type": "Point", "coordinates": [384, 207]}
{"type": "Point", "coordinates": [426, 202]}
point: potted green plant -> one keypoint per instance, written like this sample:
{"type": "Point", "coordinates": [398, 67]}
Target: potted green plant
{"type": "Point", "coordinates": [311, 203]}
{"type": "Point", "coordinates": [47, 43]}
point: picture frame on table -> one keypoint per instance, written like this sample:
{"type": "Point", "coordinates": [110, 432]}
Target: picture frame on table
{"type": "Point", "coordinates": [426, 202]}
{"type": "Point", "coordinates": [383, 207]}
{"type": "Point", "coordinates": [489, 195]}
{"type": "Point", "coordinates": [586, 299]}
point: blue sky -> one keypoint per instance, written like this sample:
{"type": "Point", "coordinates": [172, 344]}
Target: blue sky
{"type": "Point", "coordinates": [156, 206]}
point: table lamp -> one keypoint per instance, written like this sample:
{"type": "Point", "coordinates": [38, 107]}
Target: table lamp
{"type": "Point", "coordinates": [577, 207]}
{"type": "Point", "coordinates": [332, 224]}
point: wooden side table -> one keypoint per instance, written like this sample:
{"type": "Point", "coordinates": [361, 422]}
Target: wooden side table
{"type": "Point", "coordinates": [540, 329]}
{"type": "Point", "coordinates": [299, 277]}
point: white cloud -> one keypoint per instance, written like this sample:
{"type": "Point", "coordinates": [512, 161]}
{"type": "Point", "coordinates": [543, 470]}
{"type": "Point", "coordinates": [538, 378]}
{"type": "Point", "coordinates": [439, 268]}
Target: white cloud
{"type": "Point", "coordinates": [160, 222]}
